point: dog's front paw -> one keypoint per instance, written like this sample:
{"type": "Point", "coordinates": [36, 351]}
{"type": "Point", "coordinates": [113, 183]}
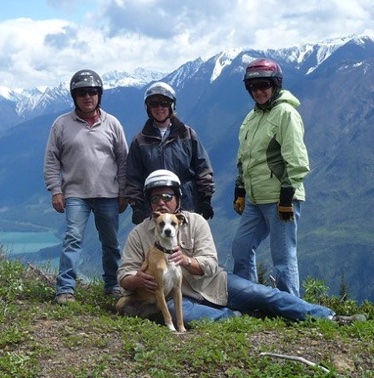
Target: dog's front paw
{"type": "Point", "coordinates": [181, 329]}
{"type": "Point", "coordinates": [171, 327]}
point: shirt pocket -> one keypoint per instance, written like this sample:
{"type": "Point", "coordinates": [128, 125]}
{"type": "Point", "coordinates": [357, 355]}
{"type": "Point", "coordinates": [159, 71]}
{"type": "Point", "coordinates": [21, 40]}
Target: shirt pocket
{"type": "Point", "coordinates": [187, 246]}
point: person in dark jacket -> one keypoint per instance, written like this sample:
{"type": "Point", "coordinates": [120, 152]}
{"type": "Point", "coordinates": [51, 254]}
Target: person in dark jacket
{"type": "Point", "coordinates": [165, 142]}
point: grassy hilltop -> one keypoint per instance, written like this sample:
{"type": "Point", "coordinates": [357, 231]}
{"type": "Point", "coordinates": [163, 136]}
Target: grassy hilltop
{"type": "Point", "coordinates": [87, 339]}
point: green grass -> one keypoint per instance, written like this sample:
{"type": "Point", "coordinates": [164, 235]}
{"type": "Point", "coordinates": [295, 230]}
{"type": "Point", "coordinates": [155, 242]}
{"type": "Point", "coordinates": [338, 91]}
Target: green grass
{"type": "Point", "coordinates": [87, 339]}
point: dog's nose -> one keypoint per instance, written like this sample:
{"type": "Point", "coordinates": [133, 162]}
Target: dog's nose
{"type": "Point", "coordinates": [167, 232]}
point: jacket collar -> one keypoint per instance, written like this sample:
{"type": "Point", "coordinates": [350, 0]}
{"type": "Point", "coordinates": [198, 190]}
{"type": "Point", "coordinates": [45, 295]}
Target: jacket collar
{"type": "Point", "coordinates": [177, 128]}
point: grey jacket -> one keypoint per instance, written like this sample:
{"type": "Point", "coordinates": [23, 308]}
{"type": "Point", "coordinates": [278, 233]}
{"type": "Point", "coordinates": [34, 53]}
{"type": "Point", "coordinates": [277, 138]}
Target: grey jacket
{"type": "Point", "coordinates": [83, 161]}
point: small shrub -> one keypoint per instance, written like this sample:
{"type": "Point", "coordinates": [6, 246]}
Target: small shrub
{"type": "Point", "coordinates": [315, 290]}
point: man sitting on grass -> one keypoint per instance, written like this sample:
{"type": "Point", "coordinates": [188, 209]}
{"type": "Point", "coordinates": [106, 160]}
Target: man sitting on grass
{"type": "Point", "coordinates": [208, 290]}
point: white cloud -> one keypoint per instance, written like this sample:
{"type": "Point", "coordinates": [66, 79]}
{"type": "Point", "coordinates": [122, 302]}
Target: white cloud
{"type": "Point", "coordinates": [162, 34]}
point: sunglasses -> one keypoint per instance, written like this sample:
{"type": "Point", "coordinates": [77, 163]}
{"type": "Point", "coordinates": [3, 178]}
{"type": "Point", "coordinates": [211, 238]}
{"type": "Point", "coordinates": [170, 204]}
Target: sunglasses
{"type": "Point", "coordinates": [165, 197]}
{"type": "Point", "coordinates": [261, 86]}
{"type": "Point", "coordinates": [87, 91]}
{"type": "Point", "coordinates": [156, 104]}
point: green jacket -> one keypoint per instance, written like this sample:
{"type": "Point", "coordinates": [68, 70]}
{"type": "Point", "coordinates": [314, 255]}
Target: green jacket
{"type": "Point", "coordinates": [272, 153]}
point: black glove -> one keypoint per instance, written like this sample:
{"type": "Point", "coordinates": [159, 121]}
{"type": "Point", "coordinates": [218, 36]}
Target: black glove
{"type": "Point", "coordinates": [206, 209]}
{"type": "Point", "coordinates": [285, 208]}
{"type": "Point", "coordinates": [137, 216]}
{"type": "Point", "coordinates": [239, 203]}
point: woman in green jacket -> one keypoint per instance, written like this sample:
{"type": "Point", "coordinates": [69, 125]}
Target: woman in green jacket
{"type": "Point", "coordinates": [272, 165]}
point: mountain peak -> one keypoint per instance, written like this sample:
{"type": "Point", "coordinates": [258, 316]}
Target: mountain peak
{"type": "Point", "coordinates": [309, 56]}
{"type": "Point", "coordinates": [138, 78]}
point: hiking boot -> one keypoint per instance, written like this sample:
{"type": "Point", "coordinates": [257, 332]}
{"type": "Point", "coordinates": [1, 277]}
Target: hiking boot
{"type": "Point", "coordinates": [64, 298]}
{"type": "Point", "coordinates": [115, 293]}
{"type": "Point", "coordinates": [349, 319]}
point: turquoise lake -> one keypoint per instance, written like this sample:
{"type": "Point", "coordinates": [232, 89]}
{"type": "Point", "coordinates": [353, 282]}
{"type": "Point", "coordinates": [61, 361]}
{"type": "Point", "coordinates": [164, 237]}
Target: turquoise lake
{"type": "Point", "coordinates": [27, 242]}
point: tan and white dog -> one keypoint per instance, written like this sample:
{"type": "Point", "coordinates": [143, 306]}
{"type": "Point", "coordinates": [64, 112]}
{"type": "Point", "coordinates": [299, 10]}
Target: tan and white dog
{"type": "Point", "coordinates": [167, 275]}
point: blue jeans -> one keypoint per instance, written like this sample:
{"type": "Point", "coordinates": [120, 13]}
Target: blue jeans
{"type": "Point", "coordinates": [198, 310]}
{"type": "Point", "coordinates": [256, 224]}
{"type": "Point", "coordinates": [106, 215]}
{"type": "Point", "coordinates": [246, 296]}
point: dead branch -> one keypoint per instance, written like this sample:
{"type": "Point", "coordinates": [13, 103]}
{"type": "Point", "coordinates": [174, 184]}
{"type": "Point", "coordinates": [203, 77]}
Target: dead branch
{"type": "Point", "coordinates": [49, 279]}
{"type": "Point", "coordinates": [294, 358]}
{"type": "Point", "coordinates": [273, 281]}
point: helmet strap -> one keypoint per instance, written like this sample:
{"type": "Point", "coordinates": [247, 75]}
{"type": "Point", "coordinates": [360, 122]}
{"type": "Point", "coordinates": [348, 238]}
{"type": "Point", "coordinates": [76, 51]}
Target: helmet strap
{"type": "Point", "coordinates": [156, 120]}
{"type": "Point", "coordinates": [269, 103]}
{"type": "Point", "coordinates": [178, 209]}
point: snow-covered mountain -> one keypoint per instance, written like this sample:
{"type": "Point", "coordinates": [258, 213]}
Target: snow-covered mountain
{"type": "Point", "coordinates": [138, 78]}
{"type": "Point", "coordinates": [27, 104]}
{"type": "Point", "coordinates": [332, 79]}
{"type": "Point", "coordinates": [30, 103]}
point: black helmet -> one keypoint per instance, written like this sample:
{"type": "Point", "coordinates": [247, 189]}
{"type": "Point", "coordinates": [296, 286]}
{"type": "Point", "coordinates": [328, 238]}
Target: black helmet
{"type": "Point", "coordinates": [86, 79]}
{"type": "Point", "coordinates": [162, 177]}
{"type": "Point", "coordinates": [264, 69]}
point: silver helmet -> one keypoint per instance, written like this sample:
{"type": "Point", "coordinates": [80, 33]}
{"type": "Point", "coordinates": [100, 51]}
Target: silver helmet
{"type": "Point", "coordinates": [160, 178]}
{"type": "Point", "coordinates": [160, 89]}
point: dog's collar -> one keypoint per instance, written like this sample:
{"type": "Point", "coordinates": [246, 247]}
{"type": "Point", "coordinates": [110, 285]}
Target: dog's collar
{"type": "Point", "coordinates": [163, 249]}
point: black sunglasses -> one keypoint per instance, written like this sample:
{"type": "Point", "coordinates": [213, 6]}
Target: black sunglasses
{"type": "Point", "coordinates": [261, 86]}
{"type": "Point", "coordinates": [165, 197]}
{"type": "Point", "coordinates": [87, 91]}
{"type": "Point", "coordinates": [156, 104]}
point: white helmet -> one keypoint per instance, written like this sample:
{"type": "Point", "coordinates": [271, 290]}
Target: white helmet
{"type": "Point", "coordinates": [161, 89]}
{"type": "Point", "coordinates": [162, 177]}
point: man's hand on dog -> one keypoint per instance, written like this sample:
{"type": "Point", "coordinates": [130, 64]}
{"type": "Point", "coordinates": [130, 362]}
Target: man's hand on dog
{"type": "Point", "coordinates": [178, 257]}
{"type": "Point", "coordinates": [145, 281]}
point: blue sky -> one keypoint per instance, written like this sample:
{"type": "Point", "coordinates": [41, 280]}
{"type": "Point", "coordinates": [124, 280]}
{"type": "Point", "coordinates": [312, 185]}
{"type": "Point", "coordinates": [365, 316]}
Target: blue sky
{"type": "Point", "coordinates": [43, 9]}
{"type": "Point", "coordinates": [43, 42]}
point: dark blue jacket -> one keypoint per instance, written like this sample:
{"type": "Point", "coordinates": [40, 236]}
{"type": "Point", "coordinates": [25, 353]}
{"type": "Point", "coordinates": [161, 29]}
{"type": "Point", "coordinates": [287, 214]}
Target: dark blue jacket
{"type": "Point", "coordinates": [181, 152]}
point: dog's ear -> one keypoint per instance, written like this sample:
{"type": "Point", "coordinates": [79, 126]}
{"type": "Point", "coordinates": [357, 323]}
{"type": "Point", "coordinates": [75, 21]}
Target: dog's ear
{"type": "Point", "coordinates": [180, 217]}
{"type": "Point", "coordinates": [156, 214]}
